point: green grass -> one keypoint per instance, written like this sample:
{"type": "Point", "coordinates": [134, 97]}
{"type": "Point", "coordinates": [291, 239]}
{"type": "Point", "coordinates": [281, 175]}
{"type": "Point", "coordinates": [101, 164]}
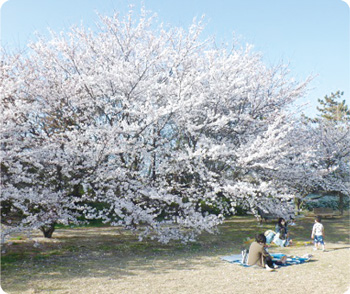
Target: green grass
{"type": "Point", "coordinates": [10, 260]}
{"type": "Point", "coordinates": [17, 238]}
{"type": "Point", "coordinates": [93, 251]}
{"type": "Point", "coordinates": [90, 224]}
{"type": "Point", "coordinates": [232, 236]}
{"type": "Point", "coordinates": [13, 257]}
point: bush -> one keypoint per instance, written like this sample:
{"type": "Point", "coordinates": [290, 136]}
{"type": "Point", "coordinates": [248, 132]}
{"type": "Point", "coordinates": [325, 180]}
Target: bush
{"type": "Point", "coordinates": [326, 201]}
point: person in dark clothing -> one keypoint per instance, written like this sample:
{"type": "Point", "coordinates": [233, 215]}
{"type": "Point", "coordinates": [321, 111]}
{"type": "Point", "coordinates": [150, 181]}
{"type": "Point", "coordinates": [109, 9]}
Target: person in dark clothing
{"type": "Point", "coordinates": [282, 230]}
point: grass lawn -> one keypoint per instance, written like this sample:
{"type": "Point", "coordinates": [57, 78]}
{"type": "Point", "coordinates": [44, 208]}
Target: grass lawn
{"type": "Point", "coordinates": [108, 260]}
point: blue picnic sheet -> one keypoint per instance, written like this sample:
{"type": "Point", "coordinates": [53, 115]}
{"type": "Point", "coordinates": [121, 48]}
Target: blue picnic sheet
{"type": "Point", "coordinates": [235, 258]}
{"type": "Point", "coordinates": [291, 259]}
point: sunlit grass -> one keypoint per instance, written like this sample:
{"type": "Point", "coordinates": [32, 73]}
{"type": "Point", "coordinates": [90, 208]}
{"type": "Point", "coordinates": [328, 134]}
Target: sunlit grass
{"type": "Point", "coordinates": [234, 234]}
{"type": "Point", "coordinates": [100, 252]}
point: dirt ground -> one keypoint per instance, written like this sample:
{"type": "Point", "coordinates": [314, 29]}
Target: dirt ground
{"type": "Point", "coordinates": [161, 269]}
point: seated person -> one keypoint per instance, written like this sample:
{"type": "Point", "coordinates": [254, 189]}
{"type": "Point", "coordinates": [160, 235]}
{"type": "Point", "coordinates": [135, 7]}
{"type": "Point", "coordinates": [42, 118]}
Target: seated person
{"type": "Point", "coordinates": [258, 254]}
{"type": "Point", "coordinates": [291, 222]}
{"type": "Point", "coordinates": [270, 235]}
{"type": "Point", "coordinates": [282, 235]}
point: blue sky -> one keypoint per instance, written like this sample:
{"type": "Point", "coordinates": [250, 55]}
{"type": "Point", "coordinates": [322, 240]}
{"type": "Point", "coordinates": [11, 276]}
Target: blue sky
{"type": "Point", "coordinates": [311, 35]}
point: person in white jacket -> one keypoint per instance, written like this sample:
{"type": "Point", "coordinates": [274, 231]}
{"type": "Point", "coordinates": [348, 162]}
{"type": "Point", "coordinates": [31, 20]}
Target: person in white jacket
{"type": "Point", "coordinates": [318, 234]}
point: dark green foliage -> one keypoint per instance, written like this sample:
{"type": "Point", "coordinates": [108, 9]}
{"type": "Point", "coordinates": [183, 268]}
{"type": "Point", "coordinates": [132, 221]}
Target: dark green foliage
{"type": "Point", "coordinates": [331, 109]}
{"type": "Point", "coordinates": [240, 210]}
{"type": "Point", "coordinates": [326, 201]}
{"type": "Point", "coordinates": [9, 213]}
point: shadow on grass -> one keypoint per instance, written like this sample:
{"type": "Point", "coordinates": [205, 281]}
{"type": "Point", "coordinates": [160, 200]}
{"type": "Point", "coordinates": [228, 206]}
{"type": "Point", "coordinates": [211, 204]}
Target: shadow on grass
{"type": "Point", "coordinates": [21, 272]}
{"type": "Point", "coordinates": [107, 252]}
{"type": "Point", "coordinates": [338, 248]}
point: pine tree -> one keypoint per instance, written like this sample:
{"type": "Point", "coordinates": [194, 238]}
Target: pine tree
{"type": "Point", "coordinates": [332, 110]}
{"type": "Point", "coordinates": [332, 113]}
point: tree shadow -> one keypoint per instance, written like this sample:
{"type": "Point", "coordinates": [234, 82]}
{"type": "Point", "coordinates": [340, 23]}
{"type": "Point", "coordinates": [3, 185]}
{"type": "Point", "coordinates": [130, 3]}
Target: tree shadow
{"type": "Point", "coordinates": [96, 253]}
{"type": "Point", "coordinates": [337, 248]}
{"type": "Point", "coordinates": [105, 252]}
{"type": "Point", "coordinates": [92, 264]}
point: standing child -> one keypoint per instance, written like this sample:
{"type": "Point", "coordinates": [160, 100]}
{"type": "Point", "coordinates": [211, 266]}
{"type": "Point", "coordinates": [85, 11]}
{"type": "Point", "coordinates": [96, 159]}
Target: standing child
{"type": "Point", "coordinates": [318, 233]}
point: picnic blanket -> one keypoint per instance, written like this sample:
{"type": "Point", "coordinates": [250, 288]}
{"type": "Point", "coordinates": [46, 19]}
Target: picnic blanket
{"type": "Point", "coordinates": [248, 241]}
{"type": "Point", "coordinates": [291, 259]}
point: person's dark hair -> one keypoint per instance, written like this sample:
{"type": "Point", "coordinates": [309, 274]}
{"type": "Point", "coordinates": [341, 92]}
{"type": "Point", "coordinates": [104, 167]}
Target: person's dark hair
{"type": "Point", "coordinates": [280, 220]}
{"type": "Point", "coordinates": [260, 238]}
{"type": "Point", "coordinates": [318, 219]}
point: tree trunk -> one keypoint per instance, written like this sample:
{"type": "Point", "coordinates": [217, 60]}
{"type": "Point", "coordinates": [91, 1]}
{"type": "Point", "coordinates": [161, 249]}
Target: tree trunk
{"type": "Point", "coordinates": [297, 203]}
{"type": "Point", "coordinates": [341, 203]}
{"type": "Point", "coordinates": [48, 230]}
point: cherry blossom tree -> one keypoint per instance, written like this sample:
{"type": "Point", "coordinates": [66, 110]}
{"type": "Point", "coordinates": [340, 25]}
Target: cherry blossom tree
{"type": "Point", "coordinates": [318, 161]}
{"type": "Point", "coordinates": [35, 189]}
{"type": "Point", "coordinates": [332, 143]}
{"type": "Point", "coordinates": [151, 122]}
